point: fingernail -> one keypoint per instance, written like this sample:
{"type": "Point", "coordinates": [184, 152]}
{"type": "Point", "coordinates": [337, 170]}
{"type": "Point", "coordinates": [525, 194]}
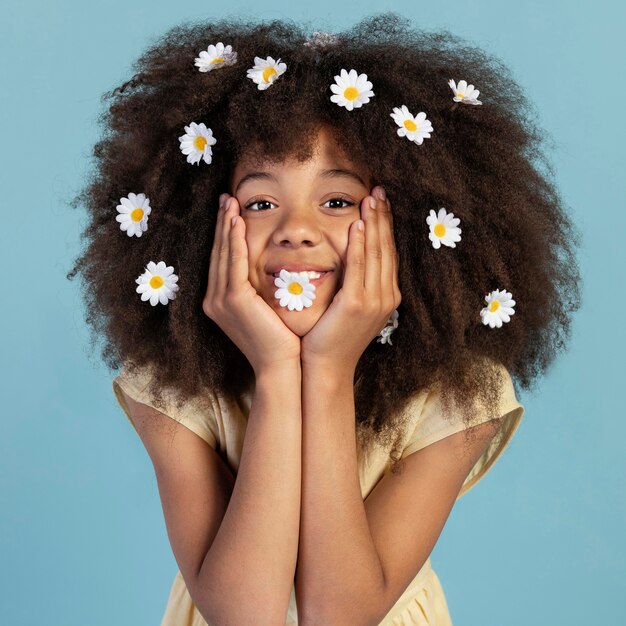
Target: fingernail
{"type": "Point", "coordinates": [222, 199]}
{"type": "Point", "coordinates": [381, 193]}
{"type": "Point", "coordinates": [372, 203]}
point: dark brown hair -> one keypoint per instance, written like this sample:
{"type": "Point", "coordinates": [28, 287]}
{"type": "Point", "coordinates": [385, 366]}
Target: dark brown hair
{"type": "Point", "coordinates": [484, 163]}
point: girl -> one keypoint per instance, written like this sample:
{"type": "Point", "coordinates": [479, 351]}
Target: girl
{"type": "Point", "coordinates": [320, 261]}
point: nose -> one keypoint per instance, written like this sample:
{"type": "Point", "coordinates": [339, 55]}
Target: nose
{"type": "Point", "coordinates": [297, 227]}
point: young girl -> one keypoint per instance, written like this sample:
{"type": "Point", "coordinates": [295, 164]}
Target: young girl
{"type": "Point", "coordinates": [321, 260]}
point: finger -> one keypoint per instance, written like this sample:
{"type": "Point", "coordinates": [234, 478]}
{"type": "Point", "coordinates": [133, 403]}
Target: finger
{"type": "Point", "coordinates": [396, 258]}
{"type": "Point", "coordinates": [387, 247]}
{"type": "Point", "coordinates": [238, 266]}
{"type": "Point", "coordinates": [354, 277]}
{"type": "Point", "coordinates": [373, 252]}
{"type": "Point", "coordinates": [224, 249]}
{"type": "Point", "coordinates": [213, 263]}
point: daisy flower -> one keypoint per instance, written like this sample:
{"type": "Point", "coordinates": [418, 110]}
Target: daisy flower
{"type": "Point", "coordinates": [215, 56]}
{"type": "Point", "coordinates": [266, 71]}
{"type": "Point", "coordinates": [464, 93]}
{"type": "Point", "coordinates": [157, 283]}
{"type": "Point", "coordinates": [392, 324]}
{"type": "Point", "coordinates": [499, 308]}
{"type": "Point", "coordinates": [133, 214]}
{"type": "Point", "coordinates": [351, 90]}
{"type": "Point", "coordinates": [443, 228]}
{"type": "Point", "coordinates": [321, 39]}
{"type": "Point", "coordinates": [196, 143]}
{"type": "Point", "coordinates": [296, 291]}
{"type": "Point", "coordinates": [414, 128]}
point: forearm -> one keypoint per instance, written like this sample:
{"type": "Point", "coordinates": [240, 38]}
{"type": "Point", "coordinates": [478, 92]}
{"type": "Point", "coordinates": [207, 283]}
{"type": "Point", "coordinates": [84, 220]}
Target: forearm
{"type": "Point", "coordinates": [249, 570]}
{"type": "Point", "coordinates": [337, 558]}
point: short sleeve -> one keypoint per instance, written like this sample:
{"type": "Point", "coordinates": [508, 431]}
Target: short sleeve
{"type": "Point", "coordinates": [432, 425]}
{"type": "Point", "coordinates": [198, 414]}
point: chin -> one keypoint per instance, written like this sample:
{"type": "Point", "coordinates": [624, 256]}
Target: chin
{"type": "Point", "coordinates": [300, 322]}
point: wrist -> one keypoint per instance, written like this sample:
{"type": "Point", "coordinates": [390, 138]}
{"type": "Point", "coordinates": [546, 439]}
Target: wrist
{"type": "Point", "coordinates": [330, 374]}
{"type": "Point", "coordinates": [277, 371]}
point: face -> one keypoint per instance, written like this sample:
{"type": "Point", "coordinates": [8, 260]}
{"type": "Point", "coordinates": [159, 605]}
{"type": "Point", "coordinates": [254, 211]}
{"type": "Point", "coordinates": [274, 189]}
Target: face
{"type": "Point", "coordinates": [297, 217]}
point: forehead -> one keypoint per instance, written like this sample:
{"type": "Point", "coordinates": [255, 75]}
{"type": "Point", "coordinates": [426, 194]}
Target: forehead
{"type": "Point", "coordinates": [327, 154]}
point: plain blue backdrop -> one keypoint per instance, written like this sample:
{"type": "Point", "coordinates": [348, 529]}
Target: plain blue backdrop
{"type": "Point", "coordinates": [82, 535]}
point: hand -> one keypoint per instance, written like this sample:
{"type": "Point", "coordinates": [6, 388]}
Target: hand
{"type": "Point", "coordinates": [233, 303]}
{"type": "Point", "coordinates": [368, 296]}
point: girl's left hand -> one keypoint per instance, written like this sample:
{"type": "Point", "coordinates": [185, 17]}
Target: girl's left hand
{"type": "Point", "coordinates": [368, 296]}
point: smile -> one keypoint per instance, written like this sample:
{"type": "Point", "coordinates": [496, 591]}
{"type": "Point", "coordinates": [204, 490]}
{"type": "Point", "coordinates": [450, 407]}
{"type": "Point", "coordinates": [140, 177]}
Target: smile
{"type": "Point", "coordinates": [315, 281]}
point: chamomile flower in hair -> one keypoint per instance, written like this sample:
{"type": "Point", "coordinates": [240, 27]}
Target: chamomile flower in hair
{"type": "Point", "coordinates": [295, 290]}
{"type": "Point", "coordinates": [196, 143]}
{"type": "Point", "coordinates": [443, 228]}
{"type": "Point", "coordinates": [266, 71]}
{"type": "Point", "coordinates": [133, 214]}
{"type": "Point", "coordinates": [215, 56]}
{"type": "Point", "coordinates": [351, 90]}
{"type": "Point", "coordinates": [385, 334]}
{"type": "Point", "coordinates": [464, 93]}
{"type": "Point", "coordinates": [157, 283]}
{"type": "Point", "coordinates": [499, 308]}
{"type": "Point", "coordinates": [415, 128]}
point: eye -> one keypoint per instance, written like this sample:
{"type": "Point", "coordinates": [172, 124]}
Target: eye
{"type": "Point", "coordinates": [340, 199]}
{"type": "Point", "coordinates": [251, 204]}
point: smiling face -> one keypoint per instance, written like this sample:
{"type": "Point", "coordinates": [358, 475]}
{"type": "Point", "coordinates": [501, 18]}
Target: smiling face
{"type": "Point", "coordinates": [297, 217]}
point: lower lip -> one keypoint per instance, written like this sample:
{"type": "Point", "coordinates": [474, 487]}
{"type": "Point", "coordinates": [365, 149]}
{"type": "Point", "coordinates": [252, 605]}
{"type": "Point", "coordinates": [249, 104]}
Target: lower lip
{"type": "Point", "coordinates": [315, 281]}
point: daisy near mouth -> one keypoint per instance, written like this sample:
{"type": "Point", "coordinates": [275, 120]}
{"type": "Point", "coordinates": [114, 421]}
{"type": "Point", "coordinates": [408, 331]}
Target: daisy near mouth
{"type": "Point", "coordinates": [295, 290]}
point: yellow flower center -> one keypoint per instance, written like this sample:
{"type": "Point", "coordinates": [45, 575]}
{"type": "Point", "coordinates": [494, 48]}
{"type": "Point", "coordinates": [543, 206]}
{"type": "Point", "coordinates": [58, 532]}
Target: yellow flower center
{"type": "Point", "coordinates": [494, 306]}
{"type": "Point", "coordinates": [295, 288]}
{"type": "Point", "coordinates": [440, 230]}
{"type": "Point", "coordinates": [460, 95]}
{"type": "Point", "coordinates": [136, 215]}
{"type": "Point", "coordinates": [351, 93]}
{"type": "Point", "coordinates": [156, 282]}
{"type": "Point", "coordinates": [218, 60]}
{"type": "Point", "coordinates": [410, 125]}
{"type": "Point", "coordinates": [199, 143]}
{"type": "Point", "coordinates": [267, 72]}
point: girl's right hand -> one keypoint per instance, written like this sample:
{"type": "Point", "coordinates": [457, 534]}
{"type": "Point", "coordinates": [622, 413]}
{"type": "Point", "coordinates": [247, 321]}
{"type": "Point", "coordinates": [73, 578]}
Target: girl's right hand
{"type": "Point", "coordinates": [233, 303]}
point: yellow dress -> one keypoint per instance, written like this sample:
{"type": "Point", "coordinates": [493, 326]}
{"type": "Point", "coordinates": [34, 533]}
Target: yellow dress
{"type": "Point", "coordinates": [222, 424]}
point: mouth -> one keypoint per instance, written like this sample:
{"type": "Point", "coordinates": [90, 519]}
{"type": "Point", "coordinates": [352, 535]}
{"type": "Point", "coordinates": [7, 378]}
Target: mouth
{"type": "Point", "coordinates": [314, 277]}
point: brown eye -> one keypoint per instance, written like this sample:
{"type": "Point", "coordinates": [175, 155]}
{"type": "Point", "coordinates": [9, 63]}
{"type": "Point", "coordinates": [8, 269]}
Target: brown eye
{"type": "Point", "coordinates": [339, 199]}
{"type": "Point", "coordinates": [251, 204]}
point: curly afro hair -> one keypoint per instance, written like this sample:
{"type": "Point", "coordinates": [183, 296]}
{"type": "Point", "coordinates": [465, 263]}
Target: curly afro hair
{"type": "Point", "coordinates": [484, 163]}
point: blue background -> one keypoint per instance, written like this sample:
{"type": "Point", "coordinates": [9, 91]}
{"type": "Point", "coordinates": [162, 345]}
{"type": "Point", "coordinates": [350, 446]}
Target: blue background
{"type": "Point", "coordinates": [82, 535]}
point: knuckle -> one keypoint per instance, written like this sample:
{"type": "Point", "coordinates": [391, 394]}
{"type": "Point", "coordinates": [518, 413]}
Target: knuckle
{"type": "Point", "coordinates": [231, 298]}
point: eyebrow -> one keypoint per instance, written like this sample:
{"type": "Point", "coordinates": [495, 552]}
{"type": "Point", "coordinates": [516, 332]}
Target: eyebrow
{"type": "Point", "coordinates": [332, 173]}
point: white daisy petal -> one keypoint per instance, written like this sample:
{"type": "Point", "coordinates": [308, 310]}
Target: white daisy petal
{"type": "Point", "coordinates": [464, 93]}
{"type": "Point", "coordinates": [196, 143]}
{"type": "Point", "coordinates": [295, 290]}
{"type": "Point", "coordinates": [497, 309]}
{"type": "Point", "coordinates": [351, 90]}
{"type": "Point", "coordinates": [414, 128]}
{"type": "Point", "coordinates": [215, 56]}
{"type": "Point", "coordinates": [266, 71]}
{"type": "Point", "coordinates": [157, 283]}
{"type": "Point", "coordinates": [443, 229]}
{"type": "Point", "coordinates": [133, 212]}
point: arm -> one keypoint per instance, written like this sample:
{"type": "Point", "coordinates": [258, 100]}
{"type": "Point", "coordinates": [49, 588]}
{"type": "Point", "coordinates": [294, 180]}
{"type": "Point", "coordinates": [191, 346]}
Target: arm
{"type": "Point", "coordinates": [248, 572]}
{"type": "Point", "coordinates": [355, 559]}
{"type": "Point", "coordinates": [337, 561]}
